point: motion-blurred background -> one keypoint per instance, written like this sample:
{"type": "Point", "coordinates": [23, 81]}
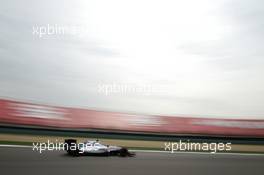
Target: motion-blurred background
{"type": "Point", "coordinates": [133, 73]}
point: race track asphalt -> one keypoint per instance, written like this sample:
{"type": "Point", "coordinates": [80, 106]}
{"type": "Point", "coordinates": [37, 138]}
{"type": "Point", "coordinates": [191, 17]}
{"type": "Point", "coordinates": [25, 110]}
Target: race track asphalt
{"type": "Point", "coordinates": [25, 161]}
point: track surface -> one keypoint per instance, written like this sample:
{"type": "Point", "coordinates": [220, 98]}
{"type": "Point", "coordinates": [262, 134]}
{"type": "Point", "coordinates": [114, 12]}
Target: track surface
{"type": "Point", "coordinates": [26, 161]}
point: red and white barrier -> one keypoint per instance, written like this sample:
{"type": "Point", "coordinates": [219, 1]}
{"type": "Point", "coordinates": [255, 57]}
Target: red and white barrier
{"type": "Point", "coordinates": [14, 112]}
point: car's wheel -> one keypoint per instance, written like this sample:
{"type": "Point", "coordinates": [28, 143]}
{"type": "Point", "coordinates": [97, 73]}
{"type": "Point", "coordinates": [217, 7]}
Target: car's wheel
{"type": "Point", "coordinates": [69, 144]}
{"type": "Point", "coordinates": [123, 152]}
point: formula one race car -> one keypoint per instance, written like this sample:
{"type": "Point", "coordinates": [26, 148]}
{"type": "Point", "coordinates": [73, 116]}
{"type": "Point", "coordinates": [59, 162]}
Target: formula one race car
{"type": "Point", "coordinates": [94, 148]}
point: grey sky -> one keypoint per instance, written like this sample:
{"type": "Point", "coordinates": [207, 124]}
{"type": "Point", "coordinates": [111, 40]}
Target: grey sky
{"type": "Point", "coordinates": [207, 56]}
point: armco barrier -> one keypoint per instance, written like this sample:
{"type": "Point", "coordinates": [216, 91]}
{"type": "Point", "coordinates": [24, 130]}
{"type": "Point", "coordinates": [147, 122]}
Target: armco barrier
{"type": "Point", "coordinates": [21, 113]}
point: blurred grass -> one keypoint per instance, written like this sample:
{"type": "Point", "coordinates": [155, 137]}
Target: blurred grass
{"type": "Point", "coordinates": [26, 135]}
{"type": "Point", "coordinates": [106, 134]}
{"type": "Point", "coordinates": [14, 139]}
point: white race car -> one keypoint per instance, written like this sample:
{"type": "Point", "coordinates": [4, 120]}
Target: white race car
{"type": "Point", "coordinates": [94, 148]}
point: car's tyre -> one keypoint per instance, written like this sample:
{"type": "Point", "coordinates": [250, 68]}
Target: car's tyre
{"type": "Point", "coordinates": [123, 152]}
{"type": "Point", "coordinates": [71, 147]}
